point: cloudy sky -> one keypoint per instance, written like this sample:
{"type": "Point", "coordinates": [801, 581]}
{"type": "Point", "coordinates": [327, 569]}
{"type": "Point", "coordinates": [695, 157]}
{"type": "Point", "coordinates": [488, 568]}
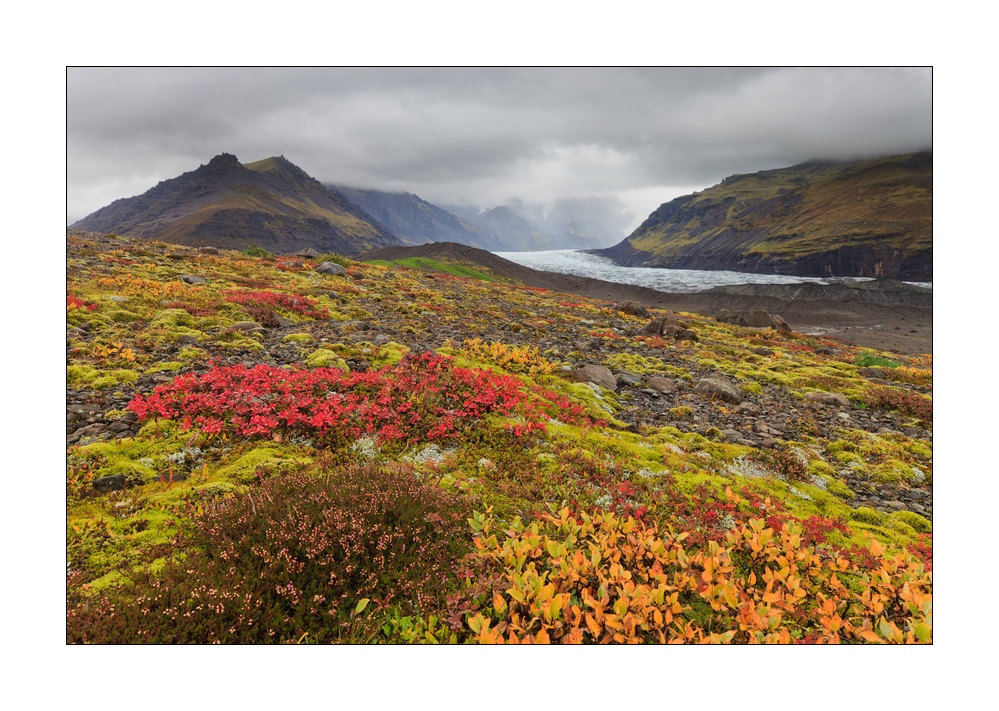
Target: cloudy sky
{"type": "Point", "coordinates": [485, 136]}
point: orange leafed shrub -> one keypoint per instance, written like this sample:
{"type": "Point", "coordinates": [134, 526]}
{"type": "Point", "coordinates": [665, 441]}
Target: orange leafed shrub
{"type": "Point", "coordinates": [609, 579]}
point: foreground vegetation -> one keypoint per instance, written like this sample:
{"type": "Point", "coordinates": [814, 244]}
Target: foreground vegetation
{"type": "Point", "coordinates": [401, 456]}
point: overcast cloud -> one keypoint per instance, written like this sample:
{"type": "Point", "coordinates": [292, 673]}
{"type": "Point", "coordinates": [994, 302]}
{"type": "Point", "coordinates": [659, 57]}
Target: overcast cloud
{"type": "Point", "coordinates": [486, 136]}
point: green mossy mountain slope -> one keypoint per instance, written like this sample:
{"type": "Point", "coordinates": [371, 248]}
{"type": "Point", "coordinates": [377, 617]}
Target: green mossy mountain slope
{"type": "Point", "coordinates": [869, 218]}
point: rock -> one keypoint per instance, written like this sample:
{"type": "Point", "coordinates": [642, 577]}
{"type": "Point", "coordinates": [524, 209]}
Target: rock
{"type": "Point", "coordinates": [331, 269]}
{"type": "Point", "coordinates": [757, 318]}
{"type": "Point", "coordinates": [248, 327]}
{"type": "Point", "coordinates": [282, 321]}
{"type": "Point", "coordinates": [91, 430]}
{"type": "Point", "coordinates": [110, 483]}
{"type": "Point", "coordinates": [626, 378]}
{"type": "Point", "coordinates": [769, 443]}
{"type": "Point", "coordinates": [685, 334]}
{"type": "Point", "coordinates": [655, 326]}
{"type": "Point", "coordinates": [74, 332]}
{"type": "Point", "coordinates": [870, 372]}
{"type": "Point", "coordinates": [661, 384]}
{"type": "Point", "coordinates": [828, 399]}
{"type": "Point", "coordinates": [191, 279]}
{"type": "Point", "coordinates": [765, 352]}
{"type": "Point", "coordinates": [597, 374]}
{"type": "Point", "coordinates": [779, 324]}
{"type": "Point", "coordinates": [208, 250]}
{"type": "Point", "coordinates": [747, 408]}
{"type": "Point", "coordinates": [632, 307]}
{"type": "Point", "coordinates": [187, 339]}
{"type": "Point", "coordinates": [715, 387]}
{"type": "Point", "coordinates": [308, 253]}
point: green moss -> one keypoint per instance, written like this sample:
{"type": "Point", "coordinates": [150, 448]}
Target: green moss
{"type": "Point", "coordinates": [123, 316]}
{"type": "Point", "coordinates": [866, 514]}
{"type": "Point", "coordinates": [752, 388]}
{"type": "Point", "coordinates": [914, 520]}
{"type": "Point", "coordinates": [297, 338]}
{"type": "Point", "coordinates": [192, 353]}
{"type": "Point", "coordinates": [266, 460]}
{"type": "Point", "coordinates": [172, 318]}
{"type": "Point", "coordinates": [87, 375]}
{"type": "Point", "coordinates": [323, 358]}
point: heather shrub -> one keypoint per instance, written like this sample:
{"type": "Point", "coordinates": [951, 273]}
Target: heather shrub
{"type": "Point", "coordinates": [782, 462]}
{"type": "Point", "coordinates": [308, 556]}
{"type": "Point", "coordinates": [902, 401]}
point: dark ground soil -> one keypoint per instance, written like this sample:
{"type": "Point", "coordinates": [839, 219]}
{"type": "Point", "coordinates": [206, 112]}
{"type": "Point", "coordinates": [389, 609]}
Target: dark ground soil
{"type": "Point", "coordinates": [834, 311]}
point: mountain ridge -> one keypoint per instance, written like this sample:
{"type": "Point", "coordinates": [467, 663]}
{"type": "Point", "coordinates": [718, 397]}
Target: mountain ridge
{"type": "Point", "coordinates": [870, 218]}
{"type": "Point", "coordinates": [271, 203]}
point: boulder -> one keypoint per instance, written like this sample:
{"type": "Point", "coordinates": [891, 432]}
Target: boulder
{"type": "Point", "coordinates": [191, 279]}
{"type": "Point", "coordinates": [685, 334]}
{"type": "Point", "coordinates": [308, 253]}
{"type": "Point", "coordinates": [715, 387]}
{"type": "Point", "coordinates": [247, 327]}
{"type": "Point", "coordinates": [626, 378]}
{"type": "Point", "coordinates": [661, 384]}
{"type": "Point", "coordinates": [632, 307]}
{"type": "Point", "coordinates": [598, 375]}
{"type": "Point", "coordinates": [779, 324]}
{"type": "Point", "coordinates": [208, 250]}
{"type": "Point", "coordinates": [756, 318]}
{"type": "Point", "coordinates": [331, 269]}
{"type": "Point", "coordinates": [834, 399]}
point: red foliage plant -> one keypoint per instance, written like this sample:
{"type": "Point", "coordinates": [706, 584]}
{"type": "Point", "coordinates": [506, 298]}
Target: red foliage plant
{"type": "Point", "coordinates": [422, 397]}
{"type": "Point", "coordinates": [292, 302]}
{"type": "Point", "coordinates": [78, 303]}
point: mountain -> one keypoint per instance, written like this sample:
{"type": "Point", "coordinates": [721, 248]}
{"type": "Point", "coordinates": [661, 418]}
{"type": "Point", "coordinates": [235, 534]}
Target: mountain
{"type": "Point", "coordinates": [871, 218]}
{"type": "Point", "coordinates": [271, 203]}
{"type": "Point", "coordinates": [508, 232]}
{"type": "Point", "coordinates": [412, 219]}
{"type": "Point", "coordinates": [577, 223]}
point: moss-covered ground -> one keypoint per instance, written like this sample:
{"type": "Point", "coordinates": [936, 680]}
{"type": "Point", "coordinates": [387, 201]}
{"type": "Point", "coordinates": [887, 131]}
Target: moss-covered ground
{"type": "Point", "coordinates": [137, 487]}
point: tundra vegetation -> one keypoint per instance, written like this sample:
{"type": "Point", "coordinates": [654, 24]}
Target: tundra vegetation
{"type": "Point", "coordinates": [404, 453]}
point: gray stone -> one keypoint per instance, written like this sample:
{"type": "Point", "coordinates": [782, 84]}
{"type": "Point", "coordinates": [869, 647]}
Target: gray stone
{"type": "Point", "coordinates": [208, 250]}
{"type": "Point", "coordinates": [282, 321]}
{"type": "Point", "coordinates": [626, 378]}
{"type": "Point", "coordinates": [632, 307]}
{"type": "Point", "coordinates": [308, 252]}
{"type": "Point", "coordinates": [331, 269]}
{"type": "Point", "coordinates": [191, 279]}
{"type": "Point", "coordinates": [247, 327]}
{"type": "Point", "coordinates": [186, 339]}
{"type": "Point", "coordinates": [661, 384]}
{"type": "Point", "coordinates": [598, 375]}
{"type": "Point", "coordinates": [757, 318]}
{"type": "Point", "coordinates": [779, 324]}
{"type": "Point", "coordinates": [685, 334]}
{"type": "Point", "coordinates": [834, 399]}
{"type": "Point", "coordinates": [715, 387]}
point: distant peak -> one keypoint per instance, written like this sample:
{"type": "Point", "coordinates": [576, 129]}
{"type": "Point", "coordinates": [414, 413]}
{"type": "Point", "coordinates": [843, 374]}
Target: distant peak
{"type": "Point", "coordinates": [224, 159]}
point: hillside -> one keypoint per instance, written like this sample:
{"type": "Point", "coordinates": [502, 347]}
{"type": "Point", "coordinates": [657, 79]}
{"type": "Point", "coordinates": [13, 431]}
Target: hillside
{"type": "Point", "coordinates": [870, 218]}
{"type": "Point", "coordinates": [272, 204]}
{"type": "Point", "coordinates": [412, 219]}
{"type": "Point", "coordinates": [258, 452]}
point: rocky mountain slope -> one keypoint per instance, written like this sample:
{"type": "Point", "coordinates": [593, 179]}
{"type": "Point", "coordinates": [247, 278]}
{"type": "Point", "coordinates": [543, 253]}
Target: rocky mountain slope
{"type": "Point", "coordinates": [869, 218]}
{"type": "Point", "coordinates": [271, 203]}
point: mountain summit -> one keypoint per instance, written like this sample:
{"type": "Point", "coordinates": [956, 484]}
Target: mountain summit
{"type": "Point", "coordinates": [870, 218]}
{"type": "Point", "coordinates": [271, 203]}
